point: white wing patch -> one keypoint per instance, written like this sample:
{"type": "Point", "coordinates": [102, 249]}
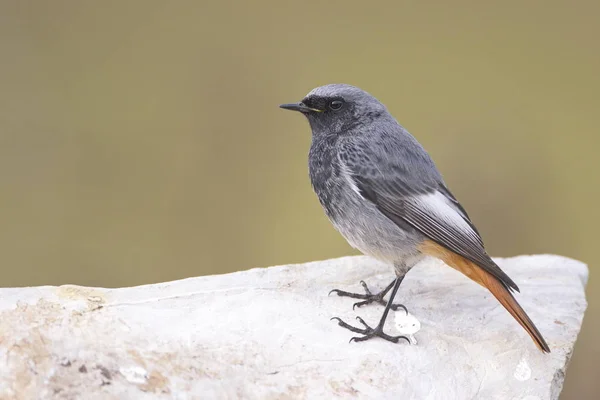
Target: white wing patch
{"type": "Point", "coordinates": [347, 174]}
{"type": "Point", "coordinates": [444, 214]}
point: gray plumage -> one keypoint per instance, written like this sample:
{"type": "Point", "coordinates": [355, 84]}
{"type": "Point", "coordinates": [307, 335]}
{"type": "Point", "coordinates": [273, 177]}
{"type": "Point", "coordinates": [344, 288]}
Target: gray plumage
{"type": "Point", "coordinates": [382, 191]}
{"type": "Point", "coordinates": [378, 185]}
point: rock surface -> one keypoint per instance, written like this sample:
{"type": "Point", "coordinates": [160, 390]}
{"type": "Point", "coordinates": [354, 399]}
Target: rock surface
{"type": "Point", "coordinates": [267, 334]}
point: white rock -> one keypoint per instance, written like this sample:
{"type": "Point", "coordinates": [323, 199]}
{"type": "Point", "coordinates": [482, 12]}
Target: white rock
{"type": "Point", "coordinates": [267, 334]}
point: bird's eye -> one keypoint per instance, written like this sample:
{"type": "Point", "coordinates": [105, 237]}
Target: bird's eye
{"type": "Point", "coordinates": [336, 105]}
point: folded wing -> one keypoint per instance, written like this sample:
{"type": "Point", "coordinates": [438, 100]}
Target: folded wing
{"type": "Point", "coordinates": [418, 197]}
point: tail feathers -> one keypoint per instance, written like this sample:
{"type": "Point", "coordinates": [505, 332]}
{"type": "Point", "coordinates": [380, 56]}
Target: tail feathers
{"type": "Point", "coordinates": [490, 282]}
{"type": "Point", "coordinates": [505, 298]}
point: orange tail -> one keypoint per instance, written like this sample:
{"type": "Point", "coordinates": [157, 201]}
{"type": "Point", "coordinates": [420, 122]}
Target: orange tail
{"type": "Point", "coordinates": [496, 287]}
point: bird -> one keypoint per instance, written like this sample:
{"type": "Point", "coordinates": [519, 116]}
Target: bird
{"type": "Point", "coordinates": [382, 191]}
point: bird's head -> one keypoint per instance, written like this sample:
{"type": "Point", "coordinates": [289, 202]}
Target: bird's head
{"type": "Point", "coordinates": [338, 108]}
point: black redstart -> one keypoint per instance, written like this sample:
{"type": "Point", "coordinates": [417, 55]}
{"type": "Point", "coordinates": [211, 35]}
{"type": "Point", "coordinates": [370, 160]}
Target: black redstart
{"type": "Point", "coordinates": [384, 194]}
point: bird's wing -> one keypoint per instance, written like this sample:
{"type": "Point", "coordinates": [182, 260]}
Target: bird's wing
{"type": "Point", "coordinates": [405, 190]}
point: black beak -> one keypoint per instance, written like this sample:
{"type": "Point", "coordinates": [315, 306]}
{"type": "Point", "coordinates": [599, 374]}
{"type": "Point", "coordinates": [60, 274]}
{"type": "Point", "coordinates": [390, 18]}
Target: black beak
{"type": "Point", "coordinates": [301, 107]}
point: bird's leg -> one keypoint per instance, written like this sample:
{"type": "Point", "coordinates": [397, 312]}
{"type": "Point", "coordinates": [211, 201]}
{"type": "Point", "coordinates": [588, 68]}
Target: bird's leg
{"type": "Point", "coordinates": [369, 332]}
{"type": "Point", "coordinates": [369, 297]}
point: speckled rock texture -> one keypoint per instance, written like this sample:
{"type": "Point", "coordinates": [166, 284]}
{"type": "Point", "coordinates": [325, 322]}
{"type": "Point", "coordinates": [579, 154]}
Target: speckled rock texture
{"type": "Point", "coordinates": [266, 334]}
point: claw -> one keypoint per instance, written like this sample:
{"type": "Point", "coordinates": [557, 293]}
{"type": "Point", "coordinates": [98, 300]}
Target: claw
{"type": "Point", "coordinates": [362, 321]}
{"type": "Point", "coordinates": [393, 339]}
{"type": "Point", "coordinates": [368, 332]}
{"type": "Point", "coordinates": [360, 304]}
{"type": "Point", "coordinates": [366, 288]}
{"type": "Point", "coordinates": [368, 297]}
{"type": "Point", "coordinates": [394, 307]}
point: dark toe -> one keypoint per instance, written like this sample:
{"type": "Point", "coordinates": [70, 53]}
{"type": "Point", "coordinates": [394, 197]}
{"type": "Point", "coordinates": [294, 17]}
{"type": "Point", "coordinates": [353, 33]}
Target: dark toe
{"type": "Point", "coordinates": [396, 307]}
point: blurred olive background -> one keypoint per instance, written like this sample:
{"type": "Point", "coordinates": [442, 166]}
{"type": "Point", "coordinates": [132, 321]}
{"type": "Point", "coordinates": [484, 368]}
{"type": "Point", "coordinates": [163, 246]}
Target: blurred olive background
{"type": "Point", "coordinates": [140, 141]}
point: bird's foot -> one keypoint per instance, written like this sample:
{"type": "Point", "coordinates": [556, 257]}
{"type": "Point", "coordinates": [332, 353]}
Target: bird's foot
{"type": "Point", "coordinates": [368, 332]}
{"type": "Point", "coordinates": [369, 297]}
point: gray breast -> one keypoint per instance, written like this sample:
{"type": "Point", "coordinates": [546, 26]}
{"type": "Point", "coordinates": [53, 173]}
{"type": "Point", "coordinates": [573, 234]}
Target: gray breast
{"type": "Point", "coordinates": [356, 218]}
